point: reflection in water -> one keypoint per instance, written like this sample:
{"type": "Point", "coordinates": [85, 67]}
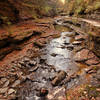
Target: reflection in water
{"type": "Point", "coordinates": [63, 58]}
{"type": "Point", "coordinates": [56, 54]}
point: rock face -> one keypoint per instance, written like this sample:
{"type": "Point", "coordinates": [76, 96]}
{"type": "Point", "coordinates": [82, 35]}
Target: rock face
{"type": "Point", "coordinates": [61, 75]}
{"type": "Point", "coordinates": [9, 43]}
{"type": "Point", "coordinates": [3, 90]}
{"type": "Point", "coordinates": [82, 55]}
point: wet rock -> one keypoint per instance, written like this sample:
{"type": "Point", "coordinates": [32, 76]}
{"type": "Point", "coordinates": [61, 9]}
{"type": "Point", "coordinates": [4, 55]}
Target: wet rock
{"type": "Point", "coordinates": [42, 60]}
{"type": "Point", "coordinates": [57, 94]}
{"type": "Point", "coordinates": [98, 65]}
{"type": "Point", "coordinates": [80, 37]}
{"type": "Point", "coordinates": [82, 55]}
{"type": "Point", "coordinates": [10, 91]}
{"type": "Point", "coordinates": [98, 72]}
{"type": "Point", "coordinates": [6, 83]}
{"type": "Point", "coordinates": [91, 71]}
{"type": "Point", "coordinates": [88, 69]}
{"type": "Point", "coordinates": [19, 65]}
{"type": "Point", "coordinates": [37, 32]}
{"type": "Point", "coordinates": [32, 63]}
{"type": "Point", "coordinates": [98, 77]}
{"type": "Point", "coordinates": [31, 76]}
{"type": "Point", "coordinates": [3, 90]}
{"type": "Point", "coordinates": [13, 96]}
{"type": "Point", "coordinates": [79, 48]}
{"type": "Point", "coordinates": [68, 79]}
{"type": "Point", "coordinates": [63, 47]}
{"type": "Point", "coordinates": [65, 43]}
{"type": "Point", "coordinates": [40, 43]}
{"type": "Point", "coordinates": [43, 92]}
{"type": "Point", "coordinates": [27, 63]}
{"type": "Point", "coordinates": [22, 63]}
{"type": "Point", "coordinates": [57, 35]}
{"type": "Point", "coordinates": [33, 69]}
{"type": "Point", "coordinates": [16, 83]}
{"type": "Point", "coordinates": [70, 35]}
{"type": "Point", "coordinates": [26, 59]}
{"type": "Point", "coordinates": [93, 61]}
{"type": "Point", "coordinates": [23, 78]}
{"type": "Point", "coordinates": [32, 98]}
{"type": "Point", "coordinates": [53, 54]}
{"type": "Point", "coordinates": [61, 75]}
{"type": "Point", "coordinates": [77, 43]}
{"type": "Point", "coordinates": [76, 33]}
{"type": "Point", "coordinates": [3, 80]}
{"type": "Point", "coordinates": [70, 48]}
{"type": "Point", "coordinates": [44, 35]}
{"type": "Point", "coordinates": [74, 76]}
{"type": "Point", "coordinates": [19, 73]}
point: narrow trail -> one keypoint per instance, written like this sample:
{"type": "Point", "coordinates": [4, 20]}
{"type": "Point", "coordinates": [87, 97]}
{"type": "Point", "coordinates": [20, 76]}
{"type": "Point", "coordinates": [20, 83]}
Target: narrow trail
{"type": "Point", "coordinates": [92, 22]}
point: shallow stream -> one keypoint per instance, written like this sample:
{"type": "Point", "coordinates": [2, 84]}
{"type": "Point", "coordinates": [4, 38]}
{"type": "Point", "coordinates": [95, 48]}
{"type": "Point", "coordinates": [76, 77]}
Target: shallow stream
{"type": "Point", "coordinates": [56, 57]}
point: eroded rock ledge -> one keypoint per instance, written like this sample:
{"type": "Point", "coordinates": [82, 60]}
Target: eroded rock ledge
{"type": "Point", "coordinates": [84, 26]}
{"type": "Point", "coordinates": [15, 36]}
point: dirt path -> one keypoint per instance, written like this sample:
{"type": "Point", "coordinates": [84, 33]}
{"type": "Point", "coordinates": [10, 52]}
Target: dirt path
{"type": "Point", "coordinates": [92, 22]}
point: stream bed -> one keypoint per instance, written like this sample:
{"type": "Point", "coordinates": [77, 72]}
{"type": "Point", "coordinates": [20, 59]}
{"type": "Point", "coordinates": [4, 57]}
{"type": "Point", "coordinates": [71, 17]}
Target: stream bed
{"type": "Point", "coordinates": [50, 65]}
{"type": "Point", "coordinates": [59, 53]}
{"type": "Point", "coordinates": [50, 77]}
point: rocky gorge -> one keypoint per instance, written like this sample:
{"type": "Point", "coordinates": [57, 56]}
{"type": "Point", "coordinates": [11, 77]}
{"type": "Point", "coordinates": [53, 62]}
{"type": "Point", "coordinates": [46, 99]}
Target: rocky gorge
{"type": "Point", "coordinates": [50, 58]}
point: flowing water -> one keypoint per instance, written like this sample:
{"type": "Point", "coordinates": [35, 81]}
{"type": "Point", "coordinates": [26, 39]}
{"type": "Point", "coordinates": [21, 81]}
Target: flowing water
{"type": "Point", "coordinates": [55, 57]}
{"type": "Point", "coordinates": [58, 54]}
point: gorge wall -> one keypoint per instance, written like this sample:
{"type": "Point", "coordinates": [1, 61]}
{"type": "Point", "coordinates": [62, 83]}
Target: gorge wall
{"type": "Point", "coordinates": [14, 10]}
